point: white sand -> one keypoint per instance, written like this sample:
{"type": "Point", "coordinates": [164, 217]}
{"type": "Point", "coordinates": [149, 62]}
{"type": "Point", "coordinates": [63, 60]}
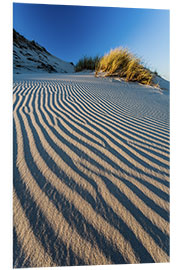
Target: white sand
{"type": "Point", "coordinates": [91, 171]}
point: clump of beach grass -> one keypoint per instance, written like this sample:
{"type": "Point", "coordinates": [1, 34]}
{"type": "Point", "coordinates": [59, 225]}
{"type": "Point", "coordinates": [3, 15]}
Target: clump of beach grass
{"type": "Point", "coordinates": [87, 63]}
{"type": "Point", "coordinates": [121, 63]}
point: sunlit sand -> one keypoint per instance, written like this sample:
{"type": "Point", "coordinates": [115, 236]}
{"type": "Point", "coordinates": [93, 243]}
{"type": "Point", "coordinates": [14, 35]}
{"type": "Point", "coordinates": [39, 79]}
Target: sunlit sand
{"type": "Point", "coordinates": [91, 171]}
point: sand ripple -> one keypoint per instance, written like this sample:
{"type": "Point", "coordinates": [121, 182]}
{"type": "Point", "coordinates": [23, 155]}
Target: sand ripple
{"type": "Point", "coordinates": [91, 172]}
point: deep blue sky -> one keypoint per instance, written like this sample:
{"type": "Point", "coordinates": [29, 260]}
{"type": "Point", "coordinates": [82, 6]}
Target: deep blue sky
{"type": "Point", "coordinates": [70, 32]}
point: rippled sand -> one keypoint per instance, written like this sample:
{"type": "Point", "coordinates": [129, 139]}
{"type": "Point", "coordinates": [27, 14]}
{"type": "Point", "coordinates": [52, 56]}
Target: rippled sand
{"type": "Point", "coordinates": [91, 171]}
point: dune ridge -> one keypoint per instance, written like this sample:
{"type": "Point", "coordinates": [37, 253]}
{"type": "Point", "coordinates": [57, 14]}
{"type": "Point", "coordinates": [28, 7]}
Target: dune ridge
{"type": "Point", "coordinates": [91, 171]}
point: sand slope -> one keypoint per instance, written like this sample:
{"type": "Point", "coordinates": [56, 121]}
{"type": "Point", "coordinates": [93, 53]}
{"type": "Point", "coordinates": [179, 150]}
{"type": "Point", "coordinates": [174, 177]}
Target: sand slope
{"type": "Point", "coordinates": [91, 171]}
{"type": "Point", "coordinates": [30, 57]}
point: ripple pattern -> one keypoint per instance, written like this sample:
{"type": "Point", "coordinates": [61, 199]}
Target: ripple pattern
{"type": "Point", "coordinates": [91, 172]}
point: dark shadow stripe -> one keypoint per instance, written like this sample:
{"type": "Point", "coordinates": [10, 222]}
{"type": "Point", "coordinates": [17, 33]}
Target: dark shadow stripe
{"type": "Point", "coordinates": [39, 224]}
{"type": "Point", "coordinates": [160, 155]}
{"type": "Point", "coordinates": [85, 118]}
{"type": "Point", "coordinates": [129, 235]}
{"type": "Point", "coordinates": [19, 86]}
{"type": "Point", "coordinates": [78, 222]}
{"type": "Point", "coordinates": [102, 110]}
{"type": "Point", "coordinates": [82, 88]}
{"type": "Point", "coordinates": [72, 215]}
{"type": "Point", "coordinates": [154, 189]}
{"type": "Point", "coordinates": [43, 230]}
{"type": "Point", "coordinates": [109, 210]}
{"type": "Point", "coordinates": [19, 259]}
{"type": "Point", "coordinates": [148, 156]}
{"type": "Point", "coordinates": [16, 101]}
{"type": "Point", "coordinates": [122, 130]}
{"type": "Point", "coordinates": [149, 202]}
{"type": "Point", "coordinates": [82, 125]}
{"type": "Point", "coordinates": [157, 191]}
{"type": "Point", "coordinates": [80, 98]}
{"type": "Point", "coordinates": [139, 160]}
{"type": "Point", "coordinates": [80, 153]}
{"type": "Point", "coordinates": [27, 87]}
{"type": "Point", "coordinates": [161, 239]}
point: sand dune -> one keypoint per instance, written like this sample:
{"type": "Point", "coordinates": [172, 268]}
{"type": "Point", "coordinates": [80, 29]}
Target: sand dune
{"type": "Point", "coordinates": [91, 171]}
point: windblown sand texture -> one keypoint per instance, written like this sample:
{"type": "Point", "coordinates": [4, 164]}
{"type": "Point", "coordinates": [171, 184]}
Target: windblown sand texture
{"type": "Point", "coordinates": [91, 172]}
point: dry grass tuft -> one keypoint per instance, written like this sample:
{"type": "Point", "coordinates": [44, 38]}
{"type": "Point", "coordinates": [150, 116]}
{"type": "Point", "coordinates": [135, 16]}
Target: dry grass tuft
{"type": "Point", "coordinates": [120, 62]}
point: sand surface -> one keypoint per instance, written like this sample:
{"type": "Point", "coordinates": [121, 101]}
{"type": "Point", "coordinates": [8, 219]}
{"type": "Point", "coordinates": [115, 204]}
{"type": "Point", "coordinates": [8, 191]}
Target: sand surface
{"type": "Point", "coordinates": [91, 171]}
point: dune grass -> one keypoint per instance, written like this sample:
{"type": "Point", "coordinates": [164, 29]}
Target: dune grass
{"type": "Point", "coordinates": [87, 63]}
{"type": "Point", "coordinates": [120, 62]}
